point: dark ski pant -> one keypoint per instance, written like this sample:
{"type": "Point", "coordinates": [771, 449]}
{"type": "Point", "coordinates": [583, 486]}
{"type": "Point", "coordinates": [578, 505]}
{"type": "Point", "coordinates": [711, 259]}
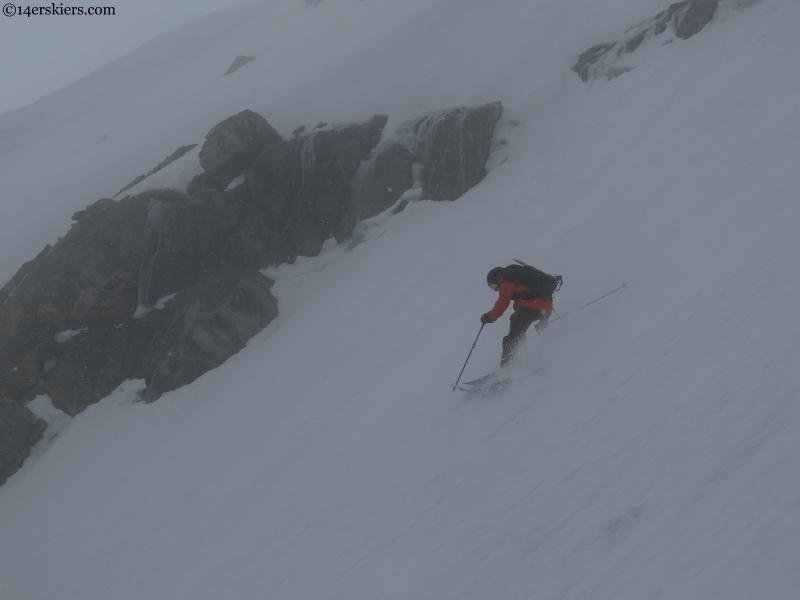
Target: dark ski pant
{"type": "Point", "coordinates": [520, 321]}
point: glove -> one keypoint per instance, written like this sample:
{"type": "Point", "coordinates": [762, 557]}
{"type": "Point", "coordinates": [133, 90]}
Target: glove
{"type": "Point", "coordinates": [541, 325]}
{"type": "Point", "coordinates": [485, 318]}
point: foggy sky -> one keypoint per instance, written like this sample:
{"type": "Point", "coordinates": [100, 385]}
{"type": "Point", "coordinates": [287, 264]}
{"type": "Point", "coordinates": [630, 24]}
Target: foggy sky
{"type": "Point", "coordinates": [41, 54]}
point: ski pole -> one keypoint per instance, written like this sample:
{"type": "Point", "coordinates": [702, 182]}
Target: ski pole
{"type": "Point", "coordinates": [468, 355]}
{"type": "Point", "coordinates": [588, 303]}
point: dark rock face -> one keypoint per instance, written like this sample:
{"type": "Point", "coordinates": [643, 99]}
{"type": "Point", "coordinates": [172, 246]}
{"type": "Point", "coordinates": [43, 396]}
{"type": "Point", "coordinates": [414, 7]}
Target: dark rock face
{"type": "Point", "coordinates": [91, 283]}
{"type": "Point", "coordinates": [82, 317]}
{"type": "Point", "coordinates": [322, 165]}
{"type": "Point", "coordinates": [231, 145]}
{"type": "Point", "coordinates": [383, 181]}
{"type": "Point", "coordinates": [455, 149]}
{"type": "Point", "coordinates": [591, 57]}
{"type": "Point", "coordinates": [21, 380]}
{"type": "Point", "coordinates": [687, 18]}
{"type": "Point", "coordinates": [88, 274]}
{"type": "Point", "coordinates": [88, 283]}
{"type": "Point", "coordinates": [692, 16]}
{"type": "Point", "coordinates": [294, 198]}
{"type": "Point", "coordinates": [92, 364]}
{"type": "Point", "coordinates": [449, 150]}
{"type": "Point", "coordinates": [19, 430]}
{"type": "Point", "coordinates": [211, 321]}
{"type": "Point", "coordinates": [20, 275]}
{"type": "Point", "coordinates": [208, 232]}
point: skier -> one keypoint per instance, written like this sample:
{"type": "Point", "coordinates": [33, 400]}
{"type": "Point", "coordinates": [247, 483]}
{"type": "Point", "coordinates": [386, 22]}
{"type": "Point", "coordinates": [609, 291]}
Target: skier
{"type": "Point", "coordinates": [528, 307]}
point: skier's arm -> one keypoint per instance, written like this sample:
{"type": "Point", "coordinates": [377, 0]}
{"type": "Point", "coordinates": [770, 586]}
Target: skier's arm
{"type": "Point", "coordinates": [506, 291]}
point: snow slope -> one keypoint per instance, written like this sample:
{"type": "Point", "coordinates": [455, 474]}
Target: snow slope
{"type": "Point", "coordinates": [655, 457]}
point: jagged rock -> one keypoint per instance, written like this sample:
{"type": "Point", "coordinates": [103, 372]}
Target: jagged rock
{"type": "Point", "coordinates": [87, 282]}
{"type": "Point", "coordinates": [92, 282]}
{"type": "Point", "coordinates": [232, 145]}
{"type": "Point", "coordinates": [80, 318]}
{"type": "Point", "coordinates": [89, 275]}
{"type": "Point", "coordinates": [268, 182]}
{"type": "Point", "coordinates": [455, 149]}
{"type": "Point", "coordinates": [449, 149]}
{"type": "Point", "coordinates": [208, 181]}
{"type": "Point", "coordinates": [92, 364]}
{"type": "Point", "coordinates": [636, 41]}
{"type": "Point", "coordinates": [391, 175]}
{"type": "Point", "coordinates": [299, 189]}
{"type": "Point", "coordinates": [688, 18]}
{"type": "Point", "coordinates": [692, 15]}
{"type": "Point", "coordinates": [25, 375]}
{"type": "Point", "coordinates": [9, 288]}
{"type": "Point", "coordinates": [19, 430]}
{"type": "Point", "coordinates": [590, 57]}
{"type": "Point", "coordinates": [321, 168]}
{"type": "Point", "coordinates": [238, 62]}
{"type": "Point", "coordinates": [213, 320]}
{"type": "Point", "coordinates": [213, 231]}
{"type": "Point", "coordinates": [88, 370]}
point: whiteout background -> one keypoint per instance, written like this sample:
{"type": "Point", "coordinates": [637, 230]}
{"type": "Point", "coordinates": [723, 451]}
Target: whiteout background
{"type": "Point", "coordinates": [656, 456]}
{"type": "Point", "coordinates": [41, 54]}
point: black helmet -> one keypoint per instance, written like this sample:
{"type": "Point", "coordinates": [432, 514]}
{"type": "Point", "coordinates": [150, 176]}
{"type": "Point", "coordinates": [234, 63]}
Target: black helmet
{"type": "Point", "coordinates": [494, 276]}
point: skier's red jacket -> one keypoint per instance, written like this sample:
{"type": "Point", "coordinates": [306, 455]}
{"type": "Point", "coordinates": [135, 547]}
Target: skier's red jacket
{"type": "Point", "coordinates": [513, 290]}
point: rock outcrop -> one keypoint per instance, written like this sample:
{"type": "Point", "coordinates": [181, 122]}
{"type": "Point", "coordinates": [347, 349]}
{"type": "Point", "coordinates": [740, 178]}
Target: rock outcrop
{"type": "Point", "coordinates": [686, 18]}
{"type": "Point", "coordinates": [295, 193]}
{"type": "Point", "coordinates": [88, 283]}
{"type": "Point", "coordinates": [19, 430]}
{"type": "Point", "coordinates": [164, 286]}
{"type": "Point", "coordinates": [455, 149]}
{"type": "Point", "coordinates": [443, 155]}
{"type": "Point", "coordinates": [321, 167]}
{"type": "Point", "coordinates": [383, 181]}
{"type": "Point", "coordinates": [98, 286]}
{"type": "Point", "coordinates": [230, 148]}
{"type": "Point", "coordinates": [211, 321]}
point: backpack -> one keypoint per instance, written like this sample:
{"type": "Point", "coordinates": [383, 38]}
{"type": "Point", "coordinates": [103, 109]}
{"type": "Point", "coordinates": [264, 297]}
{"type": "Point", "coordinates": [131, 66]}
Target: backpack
{"type": "Point", "coordinates": [539, 283]}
